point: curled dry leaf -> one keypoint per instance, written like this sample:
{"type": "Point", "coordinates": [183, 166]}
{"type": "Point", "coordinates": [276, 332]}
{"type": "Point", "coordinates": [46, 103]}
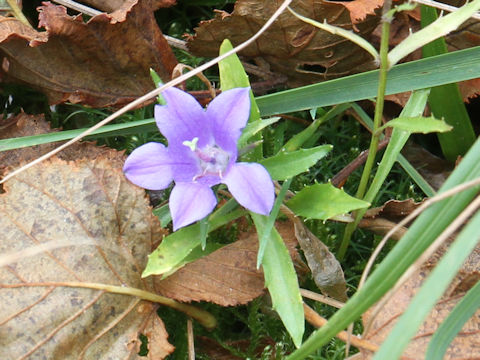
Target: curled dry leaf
{"type": "Point", "coordinates": [228, 276]}
{"type": "Point", "coordinates": [114, 5]}
{"type": "Point", "coordinates": [465, 346]}
{"type": "Point", "coordinates": [81, 222]}
{"type": "Point", "coordinates": [100, 63]}
{"type": "Point", "coordinates": [302, 52]}
{"type": "Point", "coordinates": [326, 270]}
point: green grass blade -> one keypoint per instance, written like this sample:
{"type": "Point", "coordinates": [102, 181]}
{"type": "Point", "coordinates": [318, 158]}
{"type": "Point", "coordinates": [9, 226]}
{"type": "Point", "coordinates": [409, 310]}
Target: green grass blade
{"type": "Point", "coordinates": [415, 176]}
{"type": "Point", "coordinates": [452, 325]}
{"type": "Point", "coordinates": [446, 102]}
{"type": "Point", "coordinates": [129, 128]}
{"type": "Point", "coordinates": [421, 74]}
{"type": "Point", "coordinates": [431, 291]}
{"type": "Point", "coordinates": [420, 235]}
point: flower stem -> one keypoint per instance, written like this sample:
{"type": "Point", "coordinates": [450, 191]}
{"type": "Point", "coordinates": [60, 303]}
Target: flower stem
{"type": "Point", "coordinates": [382, 84]}
{"type": "Point", "coordinates": [17, 12]}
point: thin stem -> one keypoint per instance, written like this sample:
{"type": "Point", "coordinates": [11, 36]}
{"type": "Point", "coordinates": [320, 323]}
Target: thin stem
{"type": "Point", "coordinates": [17, 12]}
{"type": "Point", "coordinates": [372, 152]}
{"type": "Point", "coordinates": [202, 316]}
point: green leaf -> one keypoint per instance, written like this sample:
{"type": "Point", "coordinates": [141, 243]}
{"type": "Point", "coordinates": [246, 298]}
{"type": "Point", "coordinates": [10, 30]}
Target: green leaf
{"type": "Point", "coordinates": [176, 247]}
{"type": "Point", "coordinates": [233, 75]}
{"type": "Point", "coordinates": [323, 201]}
{"type": "Point", "coordinates": [253, 128]}
{"type": "Point", "coordinates": [270, 222]}
{"type": "Point", "coordinates": [418, 124]}
{"type": "Point", "coordinates": [446, 101]}
{"type": "Point", "coordinates": [281, 281]}
{"type": "Point", "coordinates": [451, 326]}
{"type": "Point", "coordinates": [285, 165]}
{"type": "Point", "coordinates": [299, 139]}
{"type": "Point", "coordinates": [420, 74]}
{"type": "Point", "coordinates": [163, 214]}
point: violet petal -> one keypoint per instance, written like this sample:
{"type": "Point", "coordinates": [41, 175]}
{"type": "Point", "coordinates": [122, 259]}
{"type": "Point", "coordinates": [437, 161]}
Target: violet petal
{"type": "Point", "coordinates": [229, 113]}
{"type": "Point", "coordinates": [251, 185]}
{"type": "Point", "coordinates": [190, 202]}
{"type": "Point", "coordinates": [149, 166]}
{"type": "Point", "coordinates": [182, 119]}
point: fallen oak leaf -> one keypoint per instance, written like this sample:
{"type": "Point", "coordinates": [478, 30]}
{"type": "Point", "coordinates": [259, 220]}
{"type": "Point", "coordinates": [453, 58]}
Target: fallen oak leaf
{"type": "Point", "coordinates": [104, 62]}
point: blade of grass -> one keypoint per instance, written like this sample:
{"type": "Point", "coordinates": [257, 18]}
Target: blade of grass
{"type": "Point", "coordinates": [420, 74]}
{"type": "Point", "coordinates": [452, 325]}
{"type": "Point", "coordinates": [420, 235]}
{"type": "Point", "coordinates": [446, 101]}
{"type": "Point", "coordinates": [129, 128]}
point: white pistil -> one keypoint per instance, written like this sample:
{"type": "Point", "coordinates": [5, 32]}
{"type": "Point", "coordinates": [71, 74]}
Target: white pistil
{"type": "Point", "coordinates": [191, 144]}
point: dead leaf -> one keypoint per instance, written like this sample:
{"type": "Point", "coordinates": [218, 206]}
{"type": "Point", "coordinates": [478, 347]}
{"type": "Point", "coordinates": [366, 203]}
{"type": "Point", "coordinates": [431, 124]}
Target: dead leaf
{"type": "Point", "coordinates": [114, 5]}
{"type": "Point", "coordinates": [300, 51]}
{"type": "Point", "coordinates": [359, 9]}
{"type": "Point", "coordinates": [326, 270]}
{"type": "Point", "coordinates": [100, 229]}
{"type": "Point", "coordinates": [465, 345]}
{"type": "Point", "coordinates": [104, 62]}
{"type": "Point", "coordinates": [226, 277]}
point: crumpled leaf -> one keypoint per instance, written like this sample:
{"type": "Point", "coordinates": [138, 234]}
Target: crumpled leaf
{"type": "Point", "coordinates": [302, 52]}
{"type": "Point", "coordinates": [113, 5]}
{"type": "Point", "coordinates": [99, 228]}
{"type": "Point", "coordinates": [100, 63]}
{"type": "Point", "coordinates": [228, 276]}
{"type": "Point", "coordinates": [465, 345]}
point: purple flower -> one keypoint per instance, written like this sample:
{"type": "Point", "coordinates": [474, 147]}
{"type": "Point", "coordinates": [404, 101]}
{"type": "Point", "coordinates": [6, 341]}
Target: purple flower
{"type": "Point", "coordinates": [202, 152]}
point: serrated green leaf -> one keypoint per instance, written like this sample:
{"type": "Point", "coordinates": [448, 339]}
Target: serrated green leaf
{"type": "Point", "coordinates": [281, 281]}
{"type": "Point", "coordinates": [285, 165]}
{"type": "Point", "coordinates": [176, 247]}
{"type": "Point", "coordinates": [323, 201]}
{"type": "Point", "coordinates": [418, 124]}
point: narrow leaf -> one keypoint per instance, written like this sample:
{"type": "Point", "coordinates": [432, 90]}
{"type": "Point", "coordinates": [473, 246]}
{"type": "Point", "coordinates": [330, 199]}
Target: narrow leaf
{"type": "Point", "coordinates": [285, 165]}
{"type": "Point", "coordinates": [454, 322]}
{"type": "Point", "coordinates": [281, 281]}
{"type": "Point", "coordinates": [323, 201]}
{"type": "Point", "coordinates": [418, 124]}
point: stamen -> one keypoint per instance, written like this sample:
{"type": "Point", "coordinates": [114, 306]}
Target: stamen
{"type": "Point", "coordinates": [191, 144]}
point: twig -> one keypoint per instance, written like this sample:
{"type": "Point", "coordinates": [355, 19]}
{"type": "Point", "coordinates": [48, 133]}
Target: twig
{"type": "Point", "coordinates": [318, 321]}
{"type": "Point", "coordinates": [191, 343]}
{"type": "Point", "coordinates": [152, 94]}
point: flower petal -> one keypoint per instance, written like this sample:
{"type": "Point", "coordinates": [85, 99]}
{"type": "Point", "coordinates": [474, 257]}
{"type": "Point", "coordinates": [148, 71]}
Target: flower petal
{"type": "Point", "coordinates": [149, 166]}
{"type": "Point", "coordinates": [251, 185]}
{"type": "Point", "coordinates": [182, 119]}
{"type": "Point", "coordinates": [229, 113]}
{"type": "Point", "coordinates": [190, 202]}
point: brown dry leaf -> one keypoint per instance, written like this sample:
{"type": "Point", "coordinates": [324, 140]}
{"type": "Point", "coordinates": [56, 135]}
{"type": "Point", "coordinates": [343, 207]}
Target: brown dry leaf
{"type": "Point", "coordinates": [100, 229]}
{"type": "Point", "coordinates": [114, 5]}
{"type": "Point", "coordinates": [326, 270]}
{"type": "Point", "coordinates": [100, 63]}
{"type": "Point", "coordinates": [300, 51]}
{"type": "Point", "coordinates": [359, 9]}
{"type": "Point", "coordinates": [465, 346]}
{"type": "Point", "coordinates": [226, 277]}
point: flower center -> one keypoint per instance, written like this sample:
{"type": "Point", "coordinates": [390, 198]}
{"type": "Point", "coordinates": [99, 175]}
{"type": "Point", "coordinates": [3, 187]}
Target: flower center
{"type": "Point", "coordinates": [212, 159]}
